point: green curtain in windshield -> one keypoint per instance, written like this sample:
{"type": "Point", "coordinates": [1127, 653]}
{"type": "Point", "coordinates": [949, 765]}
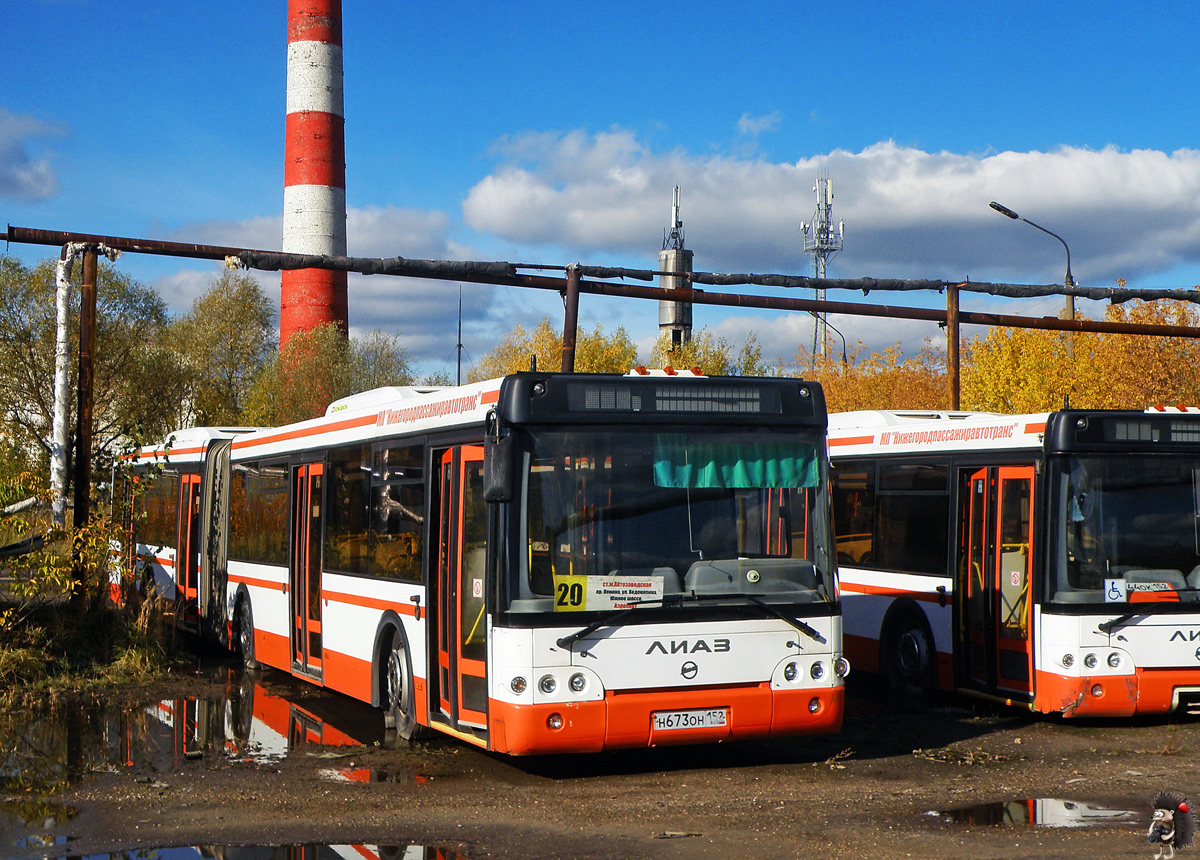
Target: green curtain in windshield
{"type": "Point", "coordinates": [734, 464]}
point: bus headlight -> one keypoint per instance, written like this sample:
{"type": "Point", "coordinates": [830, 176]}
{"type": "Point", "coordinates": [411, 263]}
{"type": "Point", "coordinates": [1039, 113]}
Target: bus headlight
{"type": "Point", "coordinates": [817, 671]}
{"type": "Point", "coordinates": [1114, 660]}
{"type": "Point", "coordinates": [518, 685]}
{"type": "Point", "coordinates": [578, 683]}
{"type": "Point", "coordinates": [790, 671]}
{"type": "Point", "coordinates": [1090, 661]}
{"type": "Point", "coordinates": [547, 684]}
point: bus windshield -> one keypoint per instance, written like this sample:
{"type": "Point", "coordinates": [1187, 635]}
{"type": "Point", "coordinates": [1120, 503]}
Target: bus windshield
{"type": "Point", "coordinates": [1134, 518]}
{"type": "Point", "coordinates": [617, 517]}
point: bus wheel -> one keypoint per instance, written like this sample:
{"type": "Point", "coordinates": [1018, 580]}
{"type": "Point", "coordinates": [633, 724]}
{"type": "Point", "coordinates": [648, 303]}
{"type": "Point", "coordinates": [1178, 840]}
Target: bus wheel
{"type": "Point", "coordinates": [908, 662]}
{"type": "Point", "coordinates": [401, 715]}
{"type": "Point", "coordinates": [245, 634]}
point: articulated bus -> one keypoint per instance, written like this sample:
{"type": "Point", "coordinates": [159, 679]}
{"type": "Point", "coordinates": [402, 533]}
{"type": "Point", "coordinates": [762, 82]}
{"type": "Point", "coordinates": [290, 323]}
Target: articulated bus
{"type": "Point", "coordinates": [539, 563]}
{"type": "Point", "coordinates": [1049, 561]}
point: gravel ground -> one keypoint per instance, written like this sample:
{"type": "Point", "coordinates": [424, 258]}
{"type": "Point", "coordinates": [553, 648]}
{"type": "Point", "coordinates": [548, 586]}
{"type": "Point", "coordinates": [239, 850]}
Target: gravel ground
{"type": "Point", "coordinates": [871, 791]}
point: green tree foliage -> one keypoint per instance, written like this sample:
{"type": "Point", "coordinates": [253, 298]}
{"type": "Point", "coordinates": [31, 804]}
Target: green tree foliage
{"type": "Point", "coordinates": [137, 380]}
{"type": "Point", "coordinates": [379, 359]}
{"type": "Point", "coordinates": [595, 352]}
{"type": "Point", "coordinates": [224, 342]}
{"type": "Point", "coordinates": [316, 367]}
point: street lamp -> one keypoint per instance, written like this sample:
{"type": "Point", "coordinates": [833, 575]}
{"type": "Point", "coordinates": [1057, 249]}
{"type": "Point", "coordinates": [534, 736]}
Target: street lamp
{"type": "Point", "coordinates": [845, 362]}
{"type": "Point", "coordinates": [1068, 282]}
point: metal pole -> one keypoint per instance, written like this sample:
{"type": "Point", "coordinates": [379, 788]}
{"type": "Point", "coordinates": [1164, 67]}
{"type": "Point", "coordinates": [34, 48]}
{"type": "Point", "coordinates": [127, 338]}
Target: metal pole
{"type": "Point", "coordinates": [58, 424]}
{"type": "Point", "coordinates": [83, 431]}
{"type": "Point", "coordinates": [571, 319]}
{"type": "Point", "coordinates": [952, 357]}
{"type": "Point", "coordinates": [83, 415]}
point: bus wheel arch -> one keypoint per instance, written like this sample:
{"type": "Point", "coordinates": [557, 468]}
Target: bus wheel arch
{"type": "Point", "coordinates": [396, 690]}
{"type": "Point", "coordinates": [907, 656]}
{"type": "Point", "coordinates": [243, 621]}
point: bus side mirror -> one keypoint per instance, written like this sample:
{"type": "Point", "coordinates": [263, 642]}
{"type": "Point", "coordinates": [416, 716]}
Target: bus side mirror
{"type": "Point", "coordinates": [498, 466]}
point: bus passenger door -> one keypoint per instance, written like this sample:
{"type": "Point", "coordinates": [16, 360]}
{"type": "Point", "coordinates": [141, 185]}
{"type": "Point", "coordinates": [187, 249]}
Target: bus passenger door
{"type": "Point", "coordinates": [305, 574]}
{"type": "Point", "coordinates": [462, 551]}
{"type": "Point", "coordinates": [996, 542]}
{"type": "Point", "coordinates": [1014, 510]}
{"type": "Point", "coordinates": [187, 555]}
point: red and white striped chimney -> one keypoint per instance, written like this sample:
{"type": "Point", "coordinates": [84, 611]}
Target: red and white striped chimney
{"type": "Point", "coordinates": [314, 176]}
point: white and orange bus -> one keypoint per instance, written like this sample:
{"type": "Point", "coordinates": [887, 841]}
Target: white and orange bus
{"type": "Point", "coordinates": [1050, 561]}
{"type": "Point", "coordinates": [539, 563]}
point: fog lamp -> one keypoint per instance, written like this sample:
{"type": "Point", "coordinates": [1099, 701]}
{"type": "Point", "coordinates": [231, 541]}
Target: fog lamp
{"type": "Point", "coordinates": [554, 721]}
{"type": "Point", "coordinates": [1097, 690]}
{"type": "Point", "coordinates": [814, 705]}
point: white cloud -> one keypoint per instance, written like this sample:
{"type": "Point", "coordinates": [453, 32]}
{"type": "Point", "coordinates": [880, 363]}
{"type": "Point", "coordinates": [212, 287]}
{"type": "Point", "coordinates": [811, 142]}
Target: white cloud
{"type": "Point", "coordinates": [23, 175]}
{"type": "Point", "coordinates": [908, 213]}
{"type": "Point", "coordinates": [753, 126]}
{"type": "Point", "coordinates": [424, 313]}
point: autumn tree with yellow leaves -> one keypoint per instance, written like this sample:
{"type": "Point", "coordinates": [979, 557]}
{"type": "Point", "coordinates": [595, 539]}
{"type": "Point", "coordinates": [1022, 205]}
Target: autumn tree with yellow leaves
{"type": "Point", "coordinates": [1030, 370]}
{"type": "Point", "coordinates": [885, 380]}
{"type": "Point", "coordinates": [595, 352]}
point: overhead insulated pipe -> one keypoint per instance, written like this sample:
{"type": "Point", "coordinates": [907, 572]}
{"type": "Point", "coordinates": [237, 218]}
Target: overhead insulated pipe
{"type": "Point", "coordinates": [314, 177]}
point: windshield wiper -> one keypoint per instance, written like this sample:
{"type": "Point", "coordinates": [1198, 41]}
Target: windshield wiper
{"type": "Point", "coordinates": [612, 617]}
{"type": "Point", "coordinates": [1120, 621]}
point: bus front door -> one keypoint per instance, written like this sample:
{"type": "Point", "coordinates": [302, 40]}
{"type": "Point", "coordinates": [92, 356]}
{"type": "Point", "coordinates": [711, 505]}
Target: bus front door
{"type": "Point", "coordinates": [461, 621]}
{"type": "Point", "coordinates": [995, 567]}
{"type": "Point", "coordinates": [305, 575]}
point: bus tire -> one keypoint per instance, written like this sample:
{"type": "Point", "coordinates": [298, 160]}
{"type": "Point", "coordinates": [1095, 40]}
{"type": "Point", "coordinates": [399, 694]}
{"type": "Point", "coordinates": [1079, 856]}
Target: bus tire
{"type": "Point", "coordinates": [908, 660]}
{"type": "Point", "coordinates": [400, 715]}
{"type": "Point", "coordinates": [245, 633]}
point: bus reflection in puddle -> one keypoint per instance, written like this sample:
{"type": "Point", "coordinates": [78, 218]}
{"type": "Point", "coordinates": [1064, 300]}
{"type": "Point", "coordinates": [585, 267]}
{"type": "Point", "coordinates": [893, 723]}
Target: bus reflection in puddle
{"type": "Point", "coordinates": [259, 718]}
{"type": "Point", "coordinates": [1042, 812]}
{"type": "Point", "coordinates": [260, 721]}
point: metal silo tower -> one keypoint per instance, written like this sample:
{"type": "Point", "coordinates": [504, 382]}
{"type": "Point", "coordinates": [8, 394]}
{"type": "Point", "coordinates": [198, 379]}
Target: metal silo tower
{"type": "Point", "coordinates": [675, 317]}
{"type": "Point", "coordinates": [823, 242]}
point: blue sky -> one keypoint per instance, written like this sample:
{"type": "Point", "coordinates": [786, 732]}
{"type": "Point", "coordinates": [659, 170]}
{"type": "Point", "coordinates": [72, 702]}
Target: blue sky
{"type": "Point", "coordinates": [554, 133]}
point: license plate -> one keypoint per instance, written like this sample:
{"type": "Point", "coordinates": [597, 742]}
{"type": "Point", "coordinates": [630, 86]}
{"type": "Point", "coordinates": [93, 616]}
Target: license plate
{"type": "Point", "coordinates": [713, 718]}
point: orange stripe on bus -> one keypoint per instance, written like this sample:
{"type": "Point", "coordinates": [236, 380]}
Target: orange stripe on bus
{"type": "Point", "coordinates": [834, 442]}
{"type": "Point", "coordinates": [1036, 428]}
{"type": "Point", "coordinates": [490, 396]}
{"type": "Point", "coordinates": [258, 583]}
{"type": "Point", "coordinates": [368, 602]}
{"type": "Point", "coordinates": [927, 596]}
{"type": "Point", "coordinates": [348, 424]}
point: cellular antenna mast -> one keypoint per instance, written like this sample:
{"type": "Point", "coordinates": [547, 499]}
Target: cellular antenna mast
{"type": "Point", "coordinates": [675, 317]}
{"type": "Point", "coordinates": [823, 242]}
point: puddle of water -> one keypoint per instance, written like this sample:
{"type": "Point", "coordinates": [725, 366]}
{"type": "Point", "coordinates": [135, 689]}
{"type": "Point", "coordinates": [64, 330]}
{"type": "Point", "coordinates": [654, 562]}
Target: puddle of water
{"type": "Point", "coordinates": [1041, 812]}
{"type": "Point", "coordinates": [258, 718]}
{"type": "Point", "coordinates": [38, 820]}
{"type": "Point", "coordinates": [371, 774]}
{"type": "Point", "coordinates": [283, 852]}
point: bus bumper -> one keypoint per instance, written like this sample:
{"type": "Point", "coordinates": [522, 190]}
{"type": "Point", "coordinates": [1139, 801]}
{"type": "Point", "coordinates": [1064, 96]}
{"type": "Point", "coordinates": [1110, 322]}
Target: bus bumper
{"type": "Point", "coordinates": [625, 720]}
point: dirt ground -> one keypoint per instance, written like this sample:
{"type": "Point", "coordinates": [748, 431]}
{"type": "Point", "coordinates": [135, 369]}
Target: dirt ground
{"type": "Point", "coordinates": [871, 791]}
